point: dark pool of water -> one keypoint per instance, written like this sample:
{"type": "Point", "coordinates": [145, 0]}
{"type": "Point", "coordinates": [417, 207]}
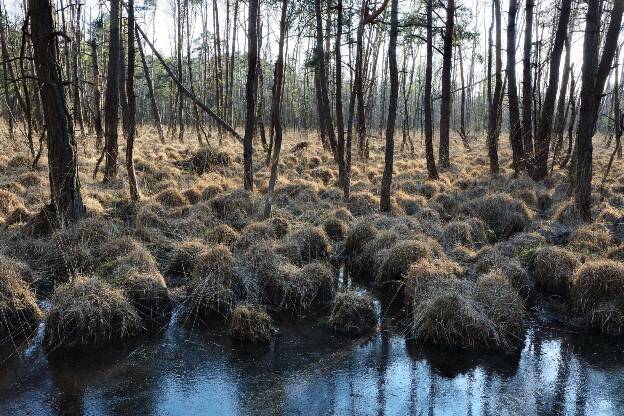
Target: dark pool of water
{"type": "Point", "coordinates": [308, 370]}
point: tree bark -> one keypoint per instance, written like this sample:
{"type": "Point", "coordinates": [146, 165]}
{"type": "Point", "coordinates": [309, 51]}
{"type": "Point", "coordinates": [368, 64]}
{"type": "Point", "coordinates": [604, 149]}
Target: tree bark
{"type": "Point", "coordinates": [494, 114]}
{"type": "Point", "coordinates": [445, 103]}
{"type": "Point", "coordinates": [431, 166]}
{"type": "Point", "coordinates": [250, 93]}
{"type": "Point", "coordinates": [542, 141]}
{"type": "Point", "coordinates": [62, 159]}
{"type": "Point", "coordinates": [111, 116]}
{"type": "Point", "coordinates": [150, 91]}
{"type": "Point", "coordinates": [132, 180]}
{"type": "Point", "coordinates": [527, 84]}
{"type": "Point", "coordinates": [515, 128]}
{"type": "Point", "coordinates": [386, 183]}
{"type": "Point", "coordinates": [276, 107]}
{"type": "Point", "coordinates": [97, 95]}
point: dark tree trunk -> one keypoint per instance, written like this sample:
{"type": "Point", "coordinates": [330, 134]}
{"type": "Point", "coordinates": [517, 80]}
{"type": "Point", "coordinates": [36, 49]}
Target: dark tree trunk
{"type": "Point", "coordinates": [515, 128]}
{"type": "Point", "coordinates": [560, 117]}
{"type": "Point", "coordinates": [431, 166]}
{"type": "Point", "coordinates": [62, 158]}
{"type": "Point", "coordinates": [132, 180]}
{"type": "Point", "coordinates": [494, 114]}
{"type": "Point", "coordinates": [386, 184]}
{"type": "Point", "coordinates": [340, 145]}
{"type": "Point", "coordinates": [97, 95]}
{"type": "Point", "coordinates": [276, 107]}
{"type": "Point", "coordinates": [250, 93]}
{"type": "Point", "coordinates": [542, 141]}
{"type": "Point", "coordinates": [527, 84]}
{"type": "Point", "coordinates": [75, 72]}
{"type": "Point", "coordinates": [594, 78]}
{"type": "Point", "coordinates": [111, 116]}
{"type": "Point", "coordinates": [445, 103]}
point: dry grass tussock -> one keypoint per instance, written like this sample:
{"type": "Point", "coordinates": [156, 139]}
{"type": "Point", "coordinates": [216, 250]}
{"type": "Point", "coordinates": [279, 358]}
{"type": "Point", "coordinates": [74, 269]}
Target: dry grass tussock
{"type": "Point", "coordinates": [251, 325]}
{"type": "Point", "coordinates": [452, 246]}
{"type": "Point", "coordinates": [353, 314]}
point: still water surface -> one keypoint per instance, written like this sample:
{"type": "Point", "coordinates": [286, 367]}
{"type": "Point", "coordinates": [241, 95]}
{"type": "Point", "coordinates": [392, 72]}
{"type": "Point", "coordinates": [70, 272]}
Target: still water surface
{"type": "Point", "coordinates": [311, 371]}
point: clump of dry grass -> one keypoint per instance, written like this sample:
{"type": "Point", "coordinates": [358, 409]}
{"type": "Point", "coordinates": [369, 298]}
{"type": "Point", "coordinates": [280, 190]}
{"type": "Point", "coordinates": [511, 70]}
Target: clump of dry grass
{"type": "Point", "coordinates": [358, 236]}
{"type": "Point", "coordinates": [444, 310]}
{"type": "Point", "coordinates": [207, 158]}
{"type": "Point", "coordinates": [293, 289]}
{"type": "Point", "coordinates": [353, 314]}
{"type": "Point", "coordinates": [254, 232]}
{"type": "Point", "coordinates": [222, 234]}
{"type": "Point", "coordinates": [403, 255]}
{"type": "Point", "coordinates": [306, 244]}
{"type": "Point", "coordinates": [9, 202]}
{"type": "Point", "coordinates": [335, 228]}
{"type": "Point", "coordinates": [502, 213]}
{"type": "Point", "coordinates": [468, 233]}
{"type": "Point", "coordinates": [235, 207]}
{"type": "Point", "coordinates": [490, 260]}
{"type": "Point", "coordinates": [363, 203]}
{"type": "Point", "coordinates": [590, 239]}
{"type": "Point", "coordinates": [184, 258]}
{"type": "Point", "coordinates": [215, 287]}
{"type": "Point", "coordinates": [171, 198]}
{"type": "Point", "coordinates": [19, 313]}
{"type": "Point", "coordinates": [149, 295]}
{"type": "Point", "coordinates": [567, 214]}
{"type": "Point", "coordinates": [554, 268]}
{"type": "Point", "coordinates": [365, 265]}
{"type": "Point", "coordinates": [88, 312]}
{"type": "Point", "coordinates": [596, 294]}
{"type": "Point", "coordinates": [250, 325]}
{"type": "Point", "coordinates": [616, 253]}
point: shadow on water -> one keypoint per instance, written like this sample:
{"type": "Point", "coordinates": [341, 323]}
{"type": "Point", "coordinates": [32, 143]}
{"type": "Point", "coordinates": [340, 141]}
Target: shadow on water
{"type": "Point", "coordinates": [310, 370]}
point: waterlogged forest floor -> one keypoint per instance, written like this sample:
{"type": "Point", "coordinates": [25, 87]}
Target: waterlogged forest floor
{"type": "Point", "coordinates": [475, 294]}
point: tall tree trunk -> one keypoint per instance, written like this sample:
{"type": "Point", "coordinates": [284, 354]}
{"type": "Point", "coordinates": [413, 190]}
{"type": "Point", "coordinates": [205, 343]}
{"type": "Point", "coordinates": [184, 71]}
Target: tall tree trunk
{"type": "Point", "coordinates": [97, 95]}
{"type": "Point", "coordinates": [62, 158]}
{"type": "Point", "coordinates": [276, 107]}
{"type": "Point", "coordinates": [250, 93]}
{"type": "Point", "coordinates": [386, 183]}
{"type": "Point", "coordinates": [494, 115]}
{"type": "Point", "coordinates": [111, 117]}
{"type": "Point", "coordinates": [179, 48]}
{"type": "Point", "coordinates": [515, 128]}
{"type": "Point", "coordinates": [560, 118]}
{"type": "Point", "coordinates": [527, 83]}
{"type": "Point", "coordinates": [594, 78]}
{"type": "Point", "coordinates": [132, 180]}
{"type": "Point", "coordinates": [542, 141]}
{"type": "Point", "coordinates": [325, 111]}
{"type": "Point", "coordinates": [445, 103]}
{"type": "Point", "coordinates": [75, 73]}
{"type": "Point", "coordinates": [431, 166]}
{"type": "Point", "coordinates": [340, 145]}
{"type": "Point", "coordinates": [150, 92]}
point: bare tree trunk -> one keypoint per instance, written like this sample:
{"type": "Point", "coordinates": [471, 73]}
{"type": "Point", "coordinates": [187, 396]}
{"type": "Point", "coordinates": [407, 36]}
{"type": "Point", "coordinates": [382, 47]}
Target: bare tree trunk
{"type": "Point", "coordinates": [62, 158]}
{"type": "Point", "coordinates": [75, 73]}
{"type": "Point", "coordinates": [150, 91]}
{"type": "Point", "coordinates": [431, 166]}
{"type": "Point", "coordinates": [132, 180]}
{"type": "Point", "coordinates": [111, 117]}
{"type": "Point", "coordinates": [97, 95]}
{"type": "Point", "coordinates": [340, 145]}
{"type": "Point", "coordinates": [386, 183]}
{"type": "Point", "coordinates": [594, 78]}
{"type": "Point", "coordinates": [445, 103]}
{"type": "Point", "coordinates": [250, 93]}
{"type": "Point", "coordinates": [561, 113]}
{"type": "Point", "coordinates": [179, 47]}
{"type": "Point", "coordinates": [494, 117]}
{"type": "Point", "coordinates": [515, 128]}
{"type": "Point", "coordinates": [527, 84]}
{"type": "Point", "coordinates": [542, 141]}
{"type": "Point", "coordinates": [276, 107]}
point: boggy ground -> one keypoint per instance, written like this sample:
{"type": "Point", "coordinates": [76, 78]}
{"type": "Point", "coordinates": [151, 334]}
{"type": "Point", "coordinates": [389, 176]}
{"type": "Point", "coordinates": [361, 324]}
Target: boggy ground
{"type": "Point", "coordinates": [464, 258]}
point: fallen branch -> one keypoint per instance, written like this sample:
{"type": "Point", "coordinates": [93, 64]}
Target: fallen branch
{"type": "Point", "coordinates": [188, 93]}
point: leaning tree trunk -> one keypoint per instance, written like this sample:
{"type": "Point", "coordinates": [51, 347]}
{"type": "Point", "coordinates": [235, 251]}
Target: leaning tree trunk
{"type": "Point", "coordinates": [386, 183]}
{"type": "Point", "coordinates": [250, 93]}
{"type": "Point", "coordinates": [445, 103]}
{"type": "Point", "coordinates": [542, 141]}
{"type": "Point", "coordinates": [431, 166]}
{"type": "Point", "coordinates": [131, 133]}
{"type": "Point", "coordinates": [62, 158]}
{"type": "Point", "coordinates": [111, 101]}
{"type": "Point", "coordinates": [515, 129]}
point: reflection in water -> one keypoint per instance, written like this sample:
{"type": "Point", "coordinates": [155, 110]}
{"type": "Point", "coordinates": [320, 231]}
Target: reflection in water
{"type": "Point", "coordinates": [311, 371]}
